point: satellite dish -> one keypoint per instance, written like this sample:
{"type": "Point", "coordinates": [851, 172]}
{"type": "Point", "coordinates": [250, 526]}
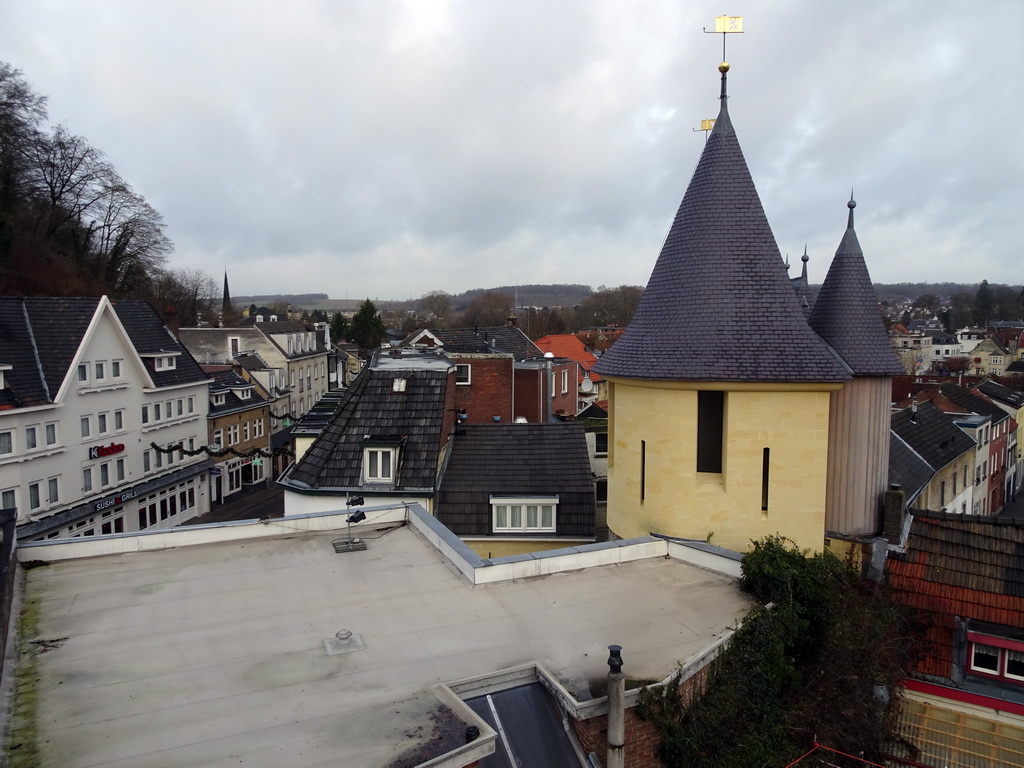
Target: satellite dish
{"type": "Point", "coordinates": [587, 385]}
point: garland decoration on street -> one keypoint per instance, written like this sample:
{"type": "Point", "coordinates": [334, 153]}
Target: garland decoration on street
{"type": "Point", "coordinates": [229, 451]}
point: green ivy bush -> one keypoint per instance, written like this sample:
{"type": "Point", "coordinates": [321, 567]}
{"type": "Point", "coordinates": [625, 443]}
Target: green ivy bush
{"type": "Point", "coordinates": [811, 667]}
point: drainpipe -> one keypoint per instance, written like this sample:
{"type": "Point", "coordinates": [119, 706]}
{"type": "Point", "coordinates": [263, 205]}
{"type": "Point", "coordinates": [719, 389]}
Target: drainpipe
{"type": "Point", "coordinates": [549, 386]}
{"type": "Point", "coordinates": [616, 709]}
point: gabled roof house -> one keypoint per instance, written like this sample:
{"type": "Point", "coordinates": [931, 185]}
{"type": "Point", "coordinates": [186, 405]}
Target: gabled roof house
{"type": "Point", "coordinates": [98, 402]}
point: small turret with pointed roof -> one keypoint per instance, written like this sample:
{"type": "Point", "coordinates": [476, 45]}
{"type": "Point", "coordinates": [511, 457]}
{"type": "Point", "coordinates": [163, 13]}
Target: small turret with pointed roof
{"type": "Point", "coordinates": [846, 314]}
{"type": "Point", "coordinates": [720, 282]}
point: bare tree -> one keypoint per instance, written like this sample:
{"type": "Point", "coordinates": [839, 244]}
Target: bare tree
{"type": "Point", "coordinates": [436, 308]}
{"type": "Point", "coordinates": [489, 308]}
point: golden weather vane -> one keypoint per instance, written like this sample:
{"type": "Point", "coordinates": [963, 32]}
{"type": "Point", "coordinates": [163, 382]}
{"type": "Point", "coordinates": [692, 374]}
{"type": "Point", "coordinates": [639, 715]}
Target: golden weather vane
{"type": "Point", "coordinates": [726, 25]}
{"type": "Point", "coordinates": [706, 126]}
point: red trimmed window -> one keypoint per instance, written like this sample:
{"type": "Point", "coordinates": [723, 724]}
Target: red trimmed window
{"type": "Point", "coordinates": [995, 657]}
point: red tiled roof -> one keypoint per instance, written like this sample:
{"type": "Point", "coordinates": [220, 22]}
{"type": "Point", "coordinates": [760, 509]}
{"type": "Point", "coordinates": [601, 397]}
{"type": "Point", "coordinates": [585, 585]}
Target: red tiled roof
{"type": "Point", "coordinates": [568, 346]}
{"type": "Point", "coordinates": [960, 565]}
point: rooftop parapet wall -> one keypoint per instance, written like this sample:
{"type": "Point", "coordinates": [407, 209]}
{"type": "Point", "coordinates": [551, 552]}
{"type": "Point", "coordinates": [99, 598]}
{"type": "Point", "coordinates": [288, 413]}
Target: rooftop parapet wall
{"type": "Point", "coordinates": [475, 569]}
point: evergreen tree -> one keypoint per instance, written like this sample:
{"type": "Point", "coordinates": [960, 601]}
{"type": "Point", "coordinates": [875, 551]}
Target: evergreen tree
{"type": "Point", "coordinates": [983, 305]}
{"type": "Point", "coordinates": [339, 327]}
{"type": "Point", "coordinates": [367, 327]}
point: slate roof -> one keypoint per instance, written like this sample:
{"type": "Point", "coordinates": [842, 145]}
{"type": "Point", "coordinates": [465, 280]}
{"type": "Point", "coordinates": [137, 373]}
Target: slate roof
{"type": "Point", "coordinates": [720, 278]}
{"type": "Point", "coordinates": [993, 389]}
{"type": "Point", "coordinates": [270, 330]}
{"type": "Point", "coordinates": [846, 315]}
{"type": "Point", "coordinates": [40, 337]}
{"type": "Point", "coordinates": [932, 434]}
{"type": "Point", "coordinates": [369, 408]}
{"type": "Point", "coordinates": [972, 403]}
{"type": "Point", "coordinates": [960, 565]}
{"type": "Point", "coordinates": [149, 335]}
{"type": "Point", "coordinates": [517, 460]}
{"type": "Point", "coordinates": [483, 339]}
{"type": "Point", "coordinates": [907, 468]}
{"type": "Point", "coordinates": [228, 383]}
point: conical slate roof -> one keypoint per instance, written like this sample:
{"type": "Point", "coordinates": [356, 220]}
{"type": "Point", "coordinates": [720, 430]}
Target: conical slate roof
{"type": "Point", "coordinates": [846, 314]}
{"type": "Point", "coordinates": [719, 305]}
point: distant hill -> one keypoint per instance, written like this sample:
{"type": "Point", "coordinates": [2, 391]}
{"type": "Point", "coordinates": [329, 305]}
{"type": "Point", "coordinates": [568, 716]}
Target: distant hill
{"type": "Point", "coordinates": [558, 295]}
{"type": "Point", "coordinates": [295, 299]}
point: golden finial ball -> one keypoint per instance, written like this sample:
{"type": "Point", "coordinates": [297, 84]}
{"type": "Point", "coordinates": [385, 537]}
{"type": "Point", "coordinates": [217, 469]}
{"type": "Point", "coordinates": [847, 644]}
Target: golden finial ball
{"type": "Point", "coordinates": [723, 67]}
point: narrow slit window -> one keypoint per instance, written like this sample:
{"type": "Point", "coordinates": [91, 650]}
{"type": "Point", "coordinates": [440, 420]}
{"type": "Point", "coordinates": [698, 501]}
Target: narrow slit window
{"type": "Point", "coordinates": [764, 479]}
{"type": "Point", "coordinates": [710, 426]}
{"type": "Point", "coordinates": [643, 469]}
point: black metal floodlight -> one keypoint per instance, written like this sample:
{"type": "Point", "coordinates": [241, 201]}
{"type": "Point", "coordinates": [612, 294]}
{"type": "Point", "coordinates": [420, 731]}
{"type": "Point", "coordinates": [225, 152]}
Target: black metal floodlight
{"type": "Point", "coordinates": [349, 544]}
{"type": "Point", "coordinates": [356, 517]}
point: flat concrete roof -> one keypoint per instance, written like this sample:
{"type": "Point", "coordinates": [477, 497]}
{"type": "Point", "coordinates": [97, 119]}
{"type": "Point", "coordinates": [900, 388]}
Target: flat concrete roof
{"type": "Point", "coordinates": [213, 655]}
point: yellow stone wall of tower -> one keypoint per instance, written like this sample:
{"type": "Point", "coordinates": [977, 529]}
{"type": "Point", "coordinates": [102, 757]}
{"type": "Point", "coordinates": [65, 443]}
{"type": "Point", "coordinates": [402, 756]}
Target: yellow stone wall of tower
{"type": "Point", "coordinates": [790, 419]}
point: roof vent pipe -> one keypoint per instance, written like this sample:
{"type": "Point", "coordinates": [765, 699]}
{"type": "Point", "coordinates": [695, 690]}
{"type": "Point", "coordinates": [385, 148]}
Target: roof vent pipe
{"type": "Point", "coordinates": [616, 709]}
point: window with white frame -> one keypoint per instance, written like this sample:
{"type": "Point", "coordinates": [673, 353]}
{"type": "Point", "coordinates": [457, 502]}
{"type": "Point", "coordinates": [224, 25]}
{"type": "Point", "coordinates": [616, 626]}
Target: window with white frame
{"type": "Point", "coordinates": [8, 498]}
{"type": "Point", "coordinates": [232, 434]}
{"type": "Point", "coordinates": [101, 370]}
{"type": "Point", "coordinates": [245, 431]}
{"type": "Point", "coordinates": [379, 465]}
{"type": "Point", "coordinates": [6, 442]}
{"type": "Point", "coordinates": [218, 439]}
{"type": "Point", "coordinates": [145, 414]}
{"type": "Point", "coordinates": [34, 498]}
{"type": "Point", "coordinates": [53, 489]}
{"type": "Point", "coordinates": [101, 423]}
{"type": "Point", "coordinates": [119, 469]}
{"type": "Point", "coordinates": [565, 381]}
{"type": "Point", "coordinates": [86, 479]}
{"type": "Point", "coordinates": [523, 515]}
{"type": "Point", "coordinates": [115, 369]}
{"type": "Point", "coordinates": [51, 433]}
{"type": "Point", "coordinates": [119, 420]}
{"type": "Point", "coordinates": [463, 373]}
{"type": "Point", "coordinates": [995, 657]}
{"type": "Point", "coordinates": [83, 373]}
{"type": "Point", "coordinates": [86, 428]}
{"type": "Point", "coordinates": [191, 404]}
{"type": "Point", "coordinates": [31, 437]}
{"type": "Point", "coordinates": [258, 428]}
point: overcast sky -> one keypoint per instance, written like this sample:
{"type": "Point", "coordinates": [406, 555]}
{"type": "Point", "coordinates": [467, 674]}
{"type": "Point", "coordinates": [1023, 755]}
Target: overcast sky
{"type": "Point", "coordinates": [386, 149]}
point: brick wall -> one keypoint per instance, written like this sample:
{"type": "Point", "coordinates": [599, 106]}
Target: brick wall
{"type": "Point", "coordinates": [642, 738]}
{"type": "Point", "coordinates": [489, 392]}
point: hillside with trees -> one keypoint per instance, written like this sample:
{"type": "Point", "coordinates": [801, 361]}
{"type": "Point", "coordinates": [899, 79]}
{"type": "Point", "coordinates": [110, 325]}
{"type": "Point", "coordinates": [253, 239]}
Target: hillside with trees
{"type": "Point", "coordinates": [70, 225]}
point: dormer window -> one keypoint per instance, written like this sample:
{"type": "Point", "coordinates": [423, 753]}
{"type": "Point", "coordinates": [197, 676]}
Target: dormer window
{"type": "Point", "coordinates": [244, 394]}
{"type": "Point", "coordinates": [3, 370]}
{"type": "Point", "coordinates": [218, 398]}
{"type": "Point", "coordinates": [379, 465]}
{"type": "Point", "coordinates": [163, 360]}
{"type": "Point", "coordinates": [398, 385]}
{"type": "Point", "coordinates": [524, 515]}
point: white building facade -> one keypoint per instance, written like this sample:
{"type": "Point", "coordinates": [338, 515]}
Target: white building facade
{"type": "Point", "coordinates": [100, 404]}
